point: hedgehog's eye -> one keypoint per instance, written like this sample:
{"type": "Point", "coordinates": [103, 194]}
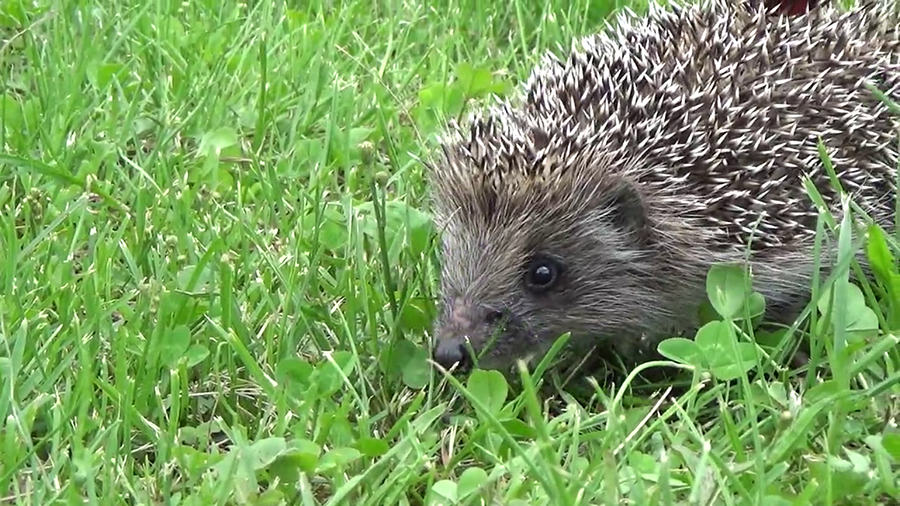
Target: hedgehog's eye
{"type": "Point", "coordinates": [542, 274]}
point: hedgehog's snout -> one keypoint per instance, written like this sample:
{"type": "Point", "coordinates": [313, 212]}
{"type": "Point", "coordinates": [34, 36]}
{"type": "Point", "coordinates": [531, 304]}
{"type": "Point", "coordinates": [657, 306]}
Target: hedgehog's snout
{"type": "Point", "coordinates": [464, 325]}
{"type": "Point", "coordinates": [450, 352]}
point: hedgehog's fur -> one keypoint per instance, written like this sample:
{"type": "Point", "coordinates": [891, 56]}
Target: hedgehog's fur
{"type": "Point", "coordinates": [654, 150]}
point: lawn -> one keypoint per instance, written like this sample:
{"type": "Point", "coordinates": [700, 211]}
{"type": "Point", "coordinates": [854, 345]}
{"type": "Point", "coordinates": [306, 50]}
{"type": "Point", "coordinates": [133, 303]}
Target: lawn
{"type": "Point", "coordinates": [218, 274]}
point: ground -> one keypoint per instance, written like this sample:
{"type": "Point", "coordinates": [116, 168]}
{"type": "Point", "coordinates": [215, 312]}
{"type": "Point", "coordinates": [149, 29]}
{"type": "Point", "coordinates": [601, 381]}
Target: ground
{"type": "Point", "coordinates": [218, 275]}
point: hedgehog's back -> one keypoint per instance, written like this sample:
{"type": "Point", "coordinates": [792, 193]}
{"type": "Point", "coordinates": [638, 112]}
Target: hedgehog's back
{"type": "Point", "coordinates": [726, 105]}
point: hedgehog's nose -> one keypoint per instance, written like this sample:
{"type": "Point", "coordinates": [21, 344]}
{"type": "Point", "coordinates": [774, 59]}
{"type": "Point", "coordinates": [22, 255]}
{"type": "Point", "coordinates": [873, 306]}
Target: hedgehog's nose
{"type": "Point", "coordinates": [462, 320]}
{"type": "Point", "coordinates": [450, 352]}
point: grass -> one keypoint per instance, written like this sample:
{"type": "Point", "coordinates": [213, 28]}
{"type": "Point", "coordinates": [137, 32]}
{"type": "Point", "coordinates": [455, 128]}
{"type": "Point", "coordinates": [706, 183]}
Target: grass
{"type": "Point", "coordinates": [218, 271]}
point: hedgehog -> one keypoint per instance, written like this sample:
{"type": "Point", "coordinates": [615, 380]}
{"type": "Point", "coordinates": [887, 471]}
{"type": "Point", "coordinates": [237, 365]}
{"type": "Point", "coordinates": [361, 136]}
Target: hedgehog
{"type": "Point", "coordinates": [595, 200]}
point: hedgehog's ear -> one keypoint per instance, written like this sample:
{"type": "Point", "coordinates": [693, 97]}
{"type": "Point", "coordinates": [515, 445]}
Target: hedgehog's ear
{"type": "Point", "coordinates": [627, 209]}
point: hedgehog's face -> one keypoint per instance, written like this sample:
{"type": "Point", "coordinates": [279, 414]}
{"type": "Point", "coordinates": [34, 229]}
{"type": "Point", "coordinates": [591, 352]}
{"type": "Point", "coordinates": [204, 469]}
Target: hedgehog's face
{"type": "Point", "coordinates": [513, 282]}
